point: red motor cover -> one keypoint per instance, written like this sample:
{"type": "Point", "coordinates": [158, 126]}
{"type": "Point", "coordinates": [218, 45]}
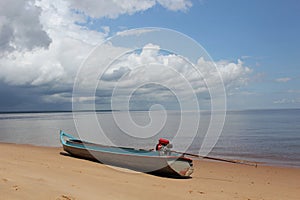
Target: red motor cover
{"type": "Point", "coordinates": [163, 141]}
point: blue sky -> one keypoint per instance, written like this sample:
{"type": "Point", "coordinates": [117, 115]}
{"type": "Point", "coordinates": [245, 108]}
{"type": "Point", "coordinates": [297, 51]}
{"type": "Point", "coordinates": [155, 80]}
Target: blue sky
{"type": "Point", "coordinates": [41, 51]}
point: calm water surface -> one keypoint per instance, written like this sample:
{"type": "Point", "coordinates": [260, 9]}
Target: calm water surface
{"type": "Point", "coordinates": [269, 136]}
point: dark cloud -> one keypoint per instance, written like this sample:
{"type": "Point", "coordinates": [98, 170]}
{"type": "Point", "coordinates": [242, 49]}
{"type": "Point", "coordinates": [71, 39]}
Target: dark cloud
{"type": "Point", "coordinates": [20, 27]}
{"type": "Point", "coordinates": [100, 93]}
{"type": "Point", "coordinates": [27, 98]}
{"type": "Point", "coordinates": [6, 35]}
{"type": "Point", "coordinates": [153, 94]}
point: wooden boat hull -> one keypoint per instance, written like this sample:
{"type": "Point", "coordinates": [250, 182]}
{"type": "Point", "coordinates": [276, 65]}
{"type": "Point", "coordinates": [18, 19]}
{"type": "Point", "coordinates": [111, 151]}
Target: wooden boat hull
{"type": "Point", "coordinates": [139, 160]}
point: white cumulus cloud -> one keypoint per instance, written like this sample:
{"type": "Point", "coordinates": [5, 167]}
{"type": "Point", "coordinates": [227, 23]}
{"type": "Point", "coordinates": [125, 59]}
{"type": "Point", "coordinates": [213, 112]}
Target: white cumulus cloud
{"type": "Point", "coordinates": [287, 101]}
{"type": "Point", "coordinates": [57, 63]}
{"type": "Point", "coordinates": [115, 8]}
{"type": "Point", "coordinates": [283, 79]}
{"type": "Point", "coordinates": [43, 47]}
{"type": "Point", "coordinates": [149, 72]}
{"type": "Point", "coordinates": [175, 5]}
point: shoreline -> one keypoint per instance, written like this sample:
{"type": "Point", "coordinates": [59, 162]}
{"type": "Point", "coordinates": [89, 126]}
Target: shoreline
{"type": "Point", "coordinates": [259, 163]}
{"type": "Point", "coordinates": [34, 172]}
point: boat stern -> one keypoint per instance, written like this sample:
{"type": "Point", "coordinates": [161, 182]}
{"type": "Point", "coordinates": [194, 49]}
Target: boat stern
{"type": "Point", "coordinates": [183, 167]}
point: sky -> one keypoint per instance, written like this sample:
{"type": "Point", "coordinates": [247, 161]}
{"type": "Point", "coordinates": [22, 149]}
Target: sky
{"type": "Point", "coordinates": [43, 45]}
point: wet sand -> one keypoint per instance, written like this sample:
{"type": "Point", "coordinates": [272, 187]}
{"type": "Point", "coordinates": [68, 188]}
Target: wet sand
{"type": "Point", "coordinates": [30, 172]}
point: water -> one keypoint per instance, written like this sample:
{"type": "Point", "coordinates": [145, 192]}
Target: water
{"type": "Point", "coordinates": [268, 136]}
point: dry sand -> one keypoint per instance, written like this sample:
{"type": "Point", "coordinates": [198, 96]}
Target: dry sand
{"type": "Point", "coordinates": [29, 172]}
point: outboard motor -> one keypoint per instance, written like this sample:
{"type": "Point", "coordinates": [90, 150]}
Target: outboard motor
{"type": "Point", "coordinates": [162, 143]}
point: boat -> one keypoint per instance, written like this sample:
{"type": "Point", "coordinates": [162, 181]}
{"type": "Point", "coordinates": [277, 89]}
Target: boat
{"type": "Point", "coordinates": [162, 163]}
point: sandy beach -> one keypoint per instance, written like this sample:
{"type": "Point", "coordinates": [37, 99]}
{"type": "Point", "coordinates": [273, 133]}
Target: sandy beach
{"type": "Point", "coordinates": [30, 172]}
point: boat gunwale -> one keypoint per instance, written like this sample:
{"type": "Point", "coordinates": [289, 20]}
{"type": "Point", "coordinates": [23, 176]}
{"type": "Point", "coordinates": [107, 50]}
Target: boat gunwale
{"type": "Point", "coordinates": [84, 147]}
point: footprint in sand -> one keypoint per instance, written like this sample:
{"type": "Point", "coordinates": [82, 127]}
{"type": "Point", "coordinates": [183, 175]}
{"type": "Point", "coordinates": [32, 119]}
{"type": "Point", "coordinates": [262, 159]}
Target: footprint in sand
{"type": "Point", "coordinates": [65, 197]}
{"type": "Point", "coordinates": [4, 180]}
{"type": "Point", "coordinates": [15, 187]}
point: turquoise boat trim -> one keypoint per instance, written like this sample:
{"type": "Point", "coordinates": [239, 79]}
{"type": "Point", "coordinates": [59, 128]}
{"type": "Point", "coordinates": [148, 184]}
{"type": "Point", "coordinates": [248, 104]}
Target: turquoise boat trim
{"type": "Point", "coordinates": [115, 150]}
{"type": "Point", "coordinates": [63, 134]}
